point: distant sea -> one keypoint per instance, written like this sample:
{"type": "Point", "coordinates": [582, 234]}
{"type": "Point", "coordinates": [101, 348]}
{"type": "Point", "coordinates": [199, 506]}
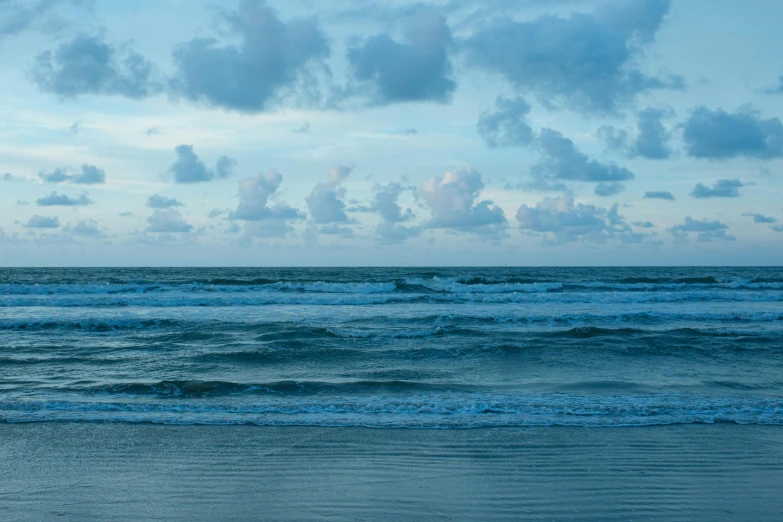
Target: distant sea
{"type": "Point", "coordinates": [393, 347]}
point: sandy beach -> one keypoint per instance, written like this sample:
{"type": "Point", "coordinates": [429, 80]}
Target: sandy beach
{"type": "Point", "coordinates": [94, 471]}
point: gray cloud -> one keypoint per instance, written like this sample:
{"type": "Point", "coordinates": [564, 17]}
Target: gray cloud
{"type": "Point", "coordinates": [10, 177]}
{"type": "Point", "coordinates": [304, 128]}
{"type": "Point", "coordinates": [88, 65]}
{"type": "Point", "coordinates": [651, 139]}
{"type": "Point", "coordinates": [583, 62]}
{"type": "Point", "coordinates": [389, 230]}
{"type": "Point", "coordinates": [325, 201]}
{"type": "Point", "coordinates": [721, 135]}
{"type": "Point", "coordinates": [18, 16]}
{"type": "Point", "coordinates": [704, 230]}
{"type": "Point", "coordinates": [85, 228]}
{"type": "Point", "coordinates": [87, 175]}
{"type": "Point", "coordinates": [159, 202]}
{"type": "Point", "coordinates": [55, 199]}
{"type": "Point", "coordinates": [43, 222]}
{"type": "Point", "coordinates": [723, 188]}
{"type": "Point", "coordinates": [651, 142]}
{"type": "Point", "coordinates": [776, 89]}
{"type": "Point", "coordinates": [451, 200]}
{"type": "Point", "coordinates": [565, 221]}
{"type": "Point", "coordinates": [271, 57]}
{"type": "Point", "coordinates": [659, 194]}
{"type": "Point", "coordinates": [417, 70]}
{"type": "Point", "coordinates": [760, 218]}
{"type": "Point", "coordinates": [168, 220]}
{"type": "Point", "coordinates": [609, 189]}
{"type": "Point", "coordinates": [564, 162]}
{"type": "Point", "coordinates": [190, 169]}
{"type": "Point", "coordinates": [506, 126]}
{"type": "Point", "coordinates": [254, 195]}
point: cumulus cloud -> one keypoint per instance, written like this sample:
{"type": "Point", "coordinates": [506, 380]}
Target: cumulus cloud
{"type": "Point", "coordinates": [88, 65]}
{"type": "Point", "coordinates": [451, 200]}
{"type": "Point", "coordinates": [56, 199]}
{"type": "Point", "coordinates": [506, 126]}
{"type": "Point", "coordinates": [651, 142]}
{"type": "Point", "coordinates": [760, 218]}
{"type": "Point", "coordinates": [563, 162]}
{"type": "Point", "coordinates": [584, 62]}
{"type": "Point", "coordinates": [659, 194]}
{"type": "Point", "coordinates": [160, 202]}
{"type": "Point", "coordinates": [721, 135]}
{"type": "Point", "coordinates": [168, 220]}
{"type": "Point", "coordinates": [43, 222]}
{"type": "Point", "coordinates": [271, 57]}
{"type": "Point", "coordinates": [10, 177]}
{"type": "Point", "coordinates": [386, 204]}
{"type": "Point", "coordinates": [254, 198]}
{"type": "Point", "coordinates": [565, 221]}
{"type": "Point", "coordinates": [723, 188]}
{"type": "Point", "coordinates": [417, 69]}
{"type": "Point", "coordinates": [325, 201]}
{"type": "Point", "coordinates": [190, 169]}
{"type": "Point", "coordinates": [87, 175]}
{"type": "Point", "coordinates": [704, 230]}
{"type": "Point", "coordinates": [85, 228]}
{"type": "Point", "coordinates": [651, 139]}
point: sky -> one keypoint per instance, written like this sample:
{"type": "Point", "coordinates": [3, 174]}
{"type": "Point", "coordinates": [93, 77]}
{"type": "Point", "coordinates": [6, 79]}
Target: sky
{"type": "Point", "coordinates": [358, 132]}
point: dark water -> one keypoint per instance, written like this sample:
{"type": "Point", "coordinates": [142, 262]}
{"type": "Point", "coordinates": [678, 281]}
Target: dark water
{"type": "Point", "coordinates": [393, 347]}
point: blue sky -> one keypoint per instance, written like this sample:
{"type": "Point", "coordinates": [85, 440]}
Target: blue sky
{"type": "Point", "coordinates": [456, 132]}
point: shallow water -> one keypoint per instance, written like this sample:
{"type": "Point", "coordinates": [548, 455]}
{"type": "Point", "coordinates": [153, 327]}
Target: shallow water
{"type": "Point", "coordinates": [393, 347]}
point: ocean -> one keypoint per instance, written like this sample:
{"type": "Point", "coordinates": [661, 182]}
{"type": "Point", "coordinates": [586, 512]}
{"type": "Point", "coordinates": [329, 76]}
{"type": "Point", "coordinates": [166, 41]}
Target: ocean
{"type": "Point", "coordinates": [443, 348]}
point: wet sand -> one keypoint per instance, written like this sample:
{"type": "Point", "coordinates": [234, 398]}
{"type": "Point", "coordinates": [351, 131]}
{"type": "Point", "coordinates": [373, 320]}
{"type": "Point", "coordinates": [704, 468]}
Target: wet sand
{"type": "Point", "coordinates": [83, 471]}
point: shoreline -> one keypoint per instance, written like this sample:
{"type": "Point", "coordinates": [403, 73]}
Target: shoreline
{"type": "Point", "coordinates": [86, 471]}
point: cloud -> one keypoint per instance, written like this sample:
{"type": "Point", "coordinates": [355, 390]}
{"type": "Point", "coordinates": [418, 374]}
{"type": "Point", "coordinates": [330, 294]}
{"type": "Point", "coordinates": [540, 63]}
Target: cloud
{"type": "Point", "coordinates": [584, 62]}
{"type": "Point", "coordinates": [643, 224]}
{"type": "Point", "coordinates": [451, 200]}
{"type": "Point", "coordinates": [723, 188]}
{"type": "Point", "coordinates": [721, 135]}
{"type": "Point", "coordinates": [254, 195]}
{"type": "Point", "coordinates": [389, 230]}
{"type": "Point", "coordinates": [325, 201]}
{"type": "Point", "coordinates": [126, 214]}
{"type": "Point", "coordinates": [87, 175]}
{"type": "Point", "coordinates": [85, 228]}
{"type": "Point", "coordinates": [418, 69]}
{"type": "Point", "coordinates": [651, 139]}
{"type": "Point", "coordinates": [659, 194]}
{"type": "Point", "coordinates": [651, 142]}
{"type": "Point", "coordinates": [776, 228]}
{"type": "Point", "coordinates": [506, 126]}
{"type": "Point", "coordinates": [55, 199]}
{"type": "Point", "coordinates": [88, 65]}
{"type": "Point", "coordinates": [10, 177]}
{"type": "Point", "coordinates": [168, 220]}
{"type": "Point", "coordinates": [776, 89]}
{"type": "Point", "coordinates": [704, 230]}
{"type": "Point", "coordinates": [157, 201]}
{"type": "Point", "coordinates": [18, 16]}
{"type": "Point", "coordinates": [562, 161]}
{"type": "Point", "coordinates": [565, 221]}
{"type": "Point", "coordinates": [270, 58]}
{"type": "Point", "coordinates": [190, 169]}
{"type": "Point", "coordinates": [760, 218]}
{"type": "Point", "coordinates": [609, 189]}
{"type": "Point", "coordinates": [43, 222]}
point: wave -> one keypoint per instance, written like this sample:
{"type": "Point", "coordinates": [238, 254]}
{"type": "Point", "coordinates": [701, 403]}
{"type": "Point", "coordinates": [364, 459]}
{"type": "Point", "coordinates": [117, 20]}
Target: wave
{"type": "Point", "coordinates": [418, 410]}
{"type": "Point", "coordinates": [263, 298]}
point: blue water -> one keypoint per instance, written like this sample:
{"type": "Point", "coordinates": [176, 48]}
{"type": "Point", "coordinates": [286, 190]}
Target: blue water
{"type": "Point", "coordinates": [393, 347]}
